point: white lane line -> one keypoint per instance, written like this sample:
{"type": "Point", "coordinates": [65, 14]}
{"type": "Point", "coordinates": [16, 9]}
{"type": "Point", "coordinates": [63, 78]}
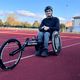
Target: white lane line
{"type": "Point", "coordinates": [14, 37]}
{"type": "Point", "coordinates": [21, 59]}
{"type": "Point", "coordinates": [71, 37]}
{"type": "Point", "coordinates": [71, 45]}
{"type": "Point", "coordinates": [33, 34]}
{"type": "Point", "coordinates": [24, 41]}
{"type": "Point", "coordinates": [34, 55]}
{"type": "Point", "coordinates": [67, 39]}
{"type": "Point", "coordinates": [19, 33]}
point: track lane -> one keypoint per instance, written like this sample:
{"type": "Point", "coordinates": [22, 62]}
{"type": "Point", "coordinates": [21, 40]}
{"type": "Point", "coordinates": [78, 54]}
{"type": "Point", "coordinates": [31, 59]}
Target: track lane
{"type": "Point", "coordinates": [63, 67]}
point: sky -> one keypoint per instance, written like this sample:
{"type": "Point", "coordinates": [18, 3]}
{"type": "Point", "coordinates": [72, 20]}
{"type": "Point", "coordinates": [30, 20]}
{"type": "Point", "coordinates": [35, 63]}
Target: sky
{"type": "Point", "coordinates": [31, 10]}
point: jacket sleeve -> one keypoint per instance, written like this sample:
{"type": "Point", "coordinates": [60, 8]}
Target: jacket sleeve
{"type": "Point", "coordinates": [56, 27]}
{"type": "Point", "coordinates": [41, 25]}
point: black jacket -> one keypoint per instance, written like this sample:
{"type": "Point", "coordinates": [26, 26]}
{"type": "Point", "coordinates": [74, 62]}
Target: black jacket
{"type": "Point", "coordinates": [53, 24]}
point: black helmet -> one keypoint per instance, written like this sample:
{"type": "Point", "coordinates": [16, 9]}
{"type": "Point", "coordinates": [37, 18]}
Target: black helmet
{"type": "Point", "coordinates": [48, 8]}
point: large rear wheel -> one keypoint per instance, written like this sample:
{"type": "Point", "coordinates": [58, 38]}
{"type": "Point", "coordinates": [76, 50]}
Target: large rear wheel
{"type": "Point", "coordinates": [56, 43]}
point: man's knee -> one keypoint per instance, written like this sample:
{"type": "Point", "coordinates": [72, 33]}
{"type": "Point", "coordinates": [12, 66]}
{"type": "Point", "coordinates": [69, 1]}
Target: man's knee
{"type": "Point", "coordinates": [40, 33]}
{"type": "Point", "coordinates": [40, 36]}
{"type": "Point", "coordinates": [46, 34]}
{"type": "Point", "coordinates": [46, 37]}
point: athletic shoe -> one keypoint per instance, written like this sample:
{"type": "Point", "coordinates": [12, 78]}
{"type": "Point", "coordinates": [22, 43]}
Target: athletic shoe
{"type": "Point", "coordinates": [45, 53]}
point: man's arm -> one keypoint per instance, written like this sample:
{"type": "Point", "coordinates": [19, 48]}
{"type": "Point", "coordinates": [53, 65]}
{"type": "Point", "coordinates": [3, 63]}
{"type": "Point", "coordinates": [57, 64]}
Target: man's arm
{"type": "Point", "coordinates": [56, 27]}
{"type": "Point", "coordinates": [57, 24]}
{"type": "Point", "coordinates": [41, 26]}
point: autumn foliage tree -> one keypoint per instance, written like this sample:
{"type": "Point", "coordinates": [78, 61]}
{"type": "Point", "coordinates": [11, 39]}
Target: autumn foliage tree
{"type": "Point", "coordinates": [36, 24]}
{"type": "Point", "coordinates": [1, 23]}
{"type": "Point", "coordinates": [11, 21]}
{"type": "Point", "coordinates": [26, 24]}
{"type": "Point", "coordinates": [62, 27]}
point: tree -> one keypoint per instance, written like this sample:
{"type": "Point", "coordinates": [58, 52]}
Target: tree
{"type": "Point", "coordinates": [26, 24]}
{"type": "Point", "coordinates": [1, 23]}
{"type": "Point", "coordinates": [6, 24]}
{"type": "Point", "coordinates": [62, 27]}
{"type": "Point", "coordinates": [36, 24]}
{"type": "Point", "coordinates": [11, 20]}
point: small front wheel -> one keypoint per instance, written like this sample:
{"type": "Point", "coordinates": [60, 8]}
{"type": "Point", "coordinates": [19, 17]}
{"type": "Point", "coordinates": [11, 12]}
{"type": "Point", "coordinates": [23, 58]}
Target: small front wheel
{"type": "Point", "coordinates": [10, 54]}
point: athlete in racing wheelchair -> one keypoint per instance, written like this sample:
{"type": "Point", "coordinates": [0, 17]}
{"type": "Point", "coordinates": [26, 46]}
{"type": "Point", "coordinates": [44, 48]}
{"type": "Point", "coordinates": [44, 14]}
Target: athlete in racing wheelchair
{"type": "Point", "coordinates": [13, 49]}
{"type": "Point", "coordinates": [49, 25]}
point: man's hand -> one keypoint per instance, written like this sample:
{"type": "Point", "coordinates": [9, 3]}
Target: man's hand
{"type": "Point", "coordinates": [45, 28]}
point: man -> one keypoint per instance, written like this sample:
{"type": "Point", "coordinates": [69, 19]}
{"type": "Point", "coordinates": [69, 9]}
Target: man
{"type": "Point", "coordinates": [48, 25]}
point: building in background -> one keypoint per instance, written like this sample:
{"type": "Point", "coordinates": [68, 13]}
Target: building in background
{"type": "Point", "coordinates": [68, 25]}
{"type": "Point", "coordinates": [76, 24]}
{"type": "Point", "coordinates": [76, 21]}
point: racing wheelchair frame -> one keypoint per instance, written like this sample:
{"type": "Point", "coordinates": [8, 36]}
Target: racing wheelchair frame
{"type": "Point", "coordinates": [18, 50]}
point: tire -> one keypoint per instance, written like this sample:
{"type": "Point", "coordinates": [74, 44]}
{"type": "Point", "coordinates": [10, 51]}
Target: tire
{"type": "Point", "coordinates": [56, 44]}
{"type": "Point", "coordinates": [8, 62]}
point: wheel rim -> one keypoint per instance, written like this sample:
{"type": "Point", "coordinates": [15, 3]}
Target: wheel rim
{"type": "Point", "coordinates": [10, 61]}
{"type": "Point", "coordinates": [56, 43]}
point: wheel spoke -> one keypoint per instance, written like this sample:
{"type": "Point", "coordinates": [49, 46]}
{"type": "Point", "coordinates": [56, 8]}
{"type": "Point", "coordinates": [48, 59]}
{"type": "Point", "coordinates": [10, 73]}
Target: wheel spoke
{"type": "Point", "coordinates": [10, 54]}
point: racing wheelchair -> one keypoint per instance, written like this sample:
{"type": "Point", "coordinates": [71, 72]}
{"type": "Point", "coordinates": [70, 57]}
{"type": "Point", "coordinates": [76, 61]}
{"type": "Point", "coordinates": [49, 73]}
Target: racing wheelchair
{"type": "Point", "coordinates": [11, 50]}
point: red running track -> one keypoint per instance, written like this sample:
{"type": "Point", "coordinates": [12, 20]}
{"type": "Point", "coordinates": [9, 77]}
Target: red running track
{"type": "Point", "coordinates": [66, 66]}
